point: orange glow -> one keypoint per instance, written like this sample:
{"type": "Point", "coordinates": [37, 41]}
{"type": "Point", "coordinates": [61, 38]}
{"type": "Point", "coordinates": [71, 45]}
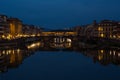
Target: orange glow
{"type": "Point", "coordinates": [100, 29]}
{"type": "Point", "coordinates": [12, 28]}
{"type": "Point", "coordinates": [101, 35]}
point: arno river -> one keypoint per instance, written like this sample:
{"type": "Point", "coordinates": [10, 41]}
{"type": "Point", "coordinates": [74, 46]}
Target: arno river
{"type": "Point", "coordinates": [59, 61]}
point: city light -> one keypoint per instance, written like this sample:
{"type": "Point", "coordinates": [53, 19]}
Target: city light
{"type": "Point", "coordinates": [34, 45]}
{"type": "Point", "coordinates": [100, 29]}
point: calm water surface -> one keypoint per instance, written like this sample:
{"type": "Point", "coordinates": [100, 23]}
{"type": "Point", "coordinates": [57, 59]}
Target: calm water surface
{"type": "Point", "coordinates": [42, 64]}
{"type": "Point", "coordinates": [61, 66]}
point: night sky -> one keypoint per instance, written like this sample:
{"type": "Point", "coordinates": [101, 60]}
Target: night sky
{"type": "Point", "coordinates": [61, 13]}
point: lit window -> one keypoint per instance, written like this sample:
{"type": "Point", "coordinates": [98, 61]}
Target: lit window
{"type": "Point", "coordinates": [114, 36]}
{"type": "Point", "coordinates": [100, 29]}
{"type": "Point", "coordinates": [101, 35]}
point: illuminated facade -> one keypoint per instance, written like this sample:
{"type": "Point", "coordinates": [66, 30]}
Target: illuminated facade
{"type": "Point", "coordinates": [59, 33]}
{"type": "Point", "coordinates": [105, 28]}
{"type": "Point", "coordinates": [117, 32]}
{"type": "Point", "coordinates": [15, 26]}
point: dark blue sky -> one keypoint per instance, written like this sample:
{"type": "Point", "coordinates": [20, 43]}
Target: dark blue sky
{"type": "Point", "coordinates": [61, 13]}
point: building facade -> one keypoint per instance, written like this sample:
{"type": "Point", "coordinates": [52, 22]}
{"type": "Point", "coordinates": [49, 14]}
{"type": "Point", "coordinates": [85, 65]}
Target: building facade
{"type": "Point", "coordinates": [4, 26]}
{"type": "Point", "coordinates": [15, 26]}
{"type": "Point", "coordinates": [116, 32]}
{"type": "Point", "coordinates": [31, 30]}
{"type": "Point", "coordinates": [79, 30]}
{"type": "Point", "coordinates": [106, 28]}
{"type": "Point", "coordinates": [91, 30]}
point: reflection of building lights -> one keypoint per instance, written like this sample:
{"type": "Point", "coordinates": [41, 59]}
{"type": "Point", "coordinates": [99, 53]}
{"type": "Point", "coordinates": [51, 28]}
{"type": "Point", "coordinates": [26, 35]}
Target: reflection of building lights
{"type": "Point", "coordinates": [3, 52]}
{"type": "Point", "coordinates": [8, 37]}
{"type": "Point", "coordinates": [70, 45]}
{"type": "Point", "coordinates": [102, 51]}
{"type": "Point", "coordinates": [13, 51]}
{"type": "Point", "coordinates": [110, 52]}
{"type": "Point", "coordinates": [18, 50]}
{"type": "Point", "coordinates": [33, 45]}
{"type": "Point", "coordinates": [119, 54]}
{"type": "Point", "coordinates": [9, 51]}
{"type": "Point", "coordinates": [38, 44]}
{"type": "Point", "coordinates": [100, 57]}
{"type": "Point", "coordinates": [33, 35]}
{"type": "Point", "coordinates": [114, 52]}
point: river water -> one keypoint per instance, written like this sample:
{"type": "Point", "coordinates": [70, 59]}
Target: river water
{"type": "Point", "coordinates": [42, 63]}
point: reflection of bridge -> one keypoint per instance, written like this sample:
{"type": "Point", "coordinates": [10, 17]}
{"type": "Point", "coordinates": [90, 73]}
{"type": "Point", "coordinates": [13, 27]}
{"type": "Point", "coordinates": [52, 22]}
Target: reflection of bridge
{"type": "Point", "coordinates": [12, 58]}
{"type": "Point", "coordinates": [48, 40]}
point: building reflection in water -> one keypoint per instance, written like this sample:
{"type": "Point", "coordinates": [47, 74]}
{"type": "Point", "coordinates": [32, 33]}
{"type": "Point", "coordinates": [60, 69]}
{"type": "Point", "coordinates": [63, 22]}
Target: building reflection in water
{"type": "Point", "coordinates": [104, 56]}
{"type": "Point", "coordinates": [12, 58]}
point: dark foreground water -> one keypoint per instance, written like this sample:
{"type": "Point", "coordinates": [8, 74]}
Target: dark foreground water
{"type": "Point", "coordinates": [39, 64]}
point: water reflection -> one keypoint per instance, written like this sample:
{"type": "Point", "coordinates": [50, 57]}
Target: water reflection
{"type": "Point", "coordinates": [59, 42]}
{"type": "Point", "coordinates": [104, 56]}
{"type": "Point", "coordinates": [34, 45]}
{"type": "Point", "coordinates": [12, 58]}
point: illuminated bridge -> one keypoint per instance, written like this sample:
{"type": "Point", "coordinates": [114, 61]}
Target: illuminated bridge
{"type": "Point", "coordinates": [49, 38]}
{"type": "Point", "coordinates": [59, 33]}
{"type": "Point", "coordinates": [57, 37]}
